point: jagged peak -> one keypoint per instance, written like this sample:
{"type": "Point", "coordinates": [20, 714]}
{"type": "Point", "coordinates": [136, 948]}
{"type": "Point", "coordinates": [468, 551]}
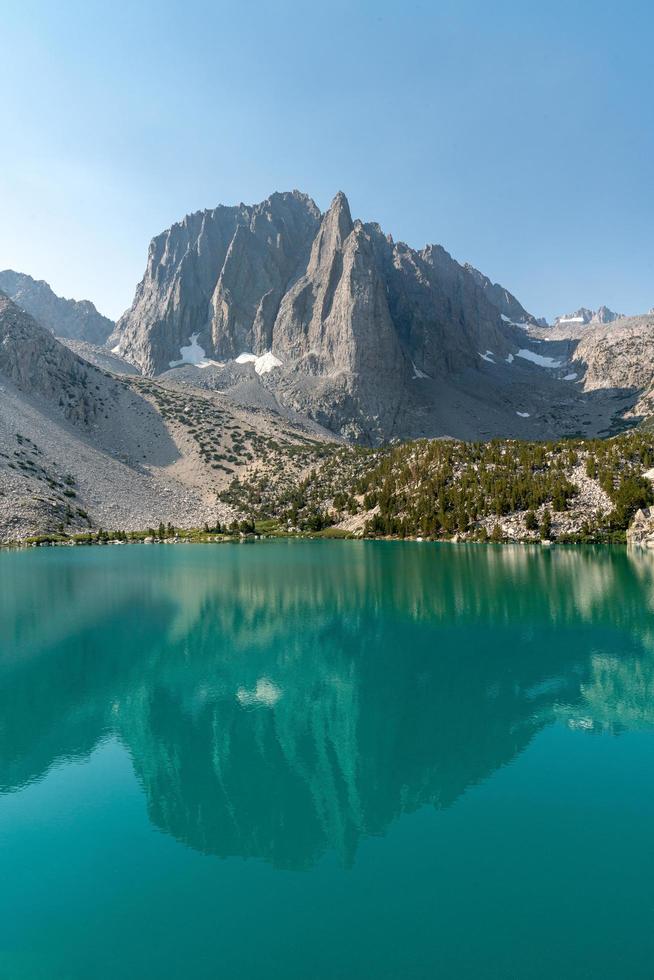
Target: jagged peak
{"type": "Point", "coordinates": [72, 318]}
{"type": "Point", "coordinates": [194, 223]}
{"type": "Point", "coordinates": [338, 219]}
{"type": "Point", "coordinates": [584, 315]}
{"type": "Point", "coordinates": [340, 200]}
{"type": "Point", "coordinates": [436, 254]}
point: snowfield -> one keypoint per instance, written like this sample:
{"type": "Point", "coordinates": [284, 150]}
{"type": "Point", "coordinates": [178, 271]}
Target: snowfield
{"type": "Point", "coordinates": [263, 364]}
{"type": "Point", "coordinates": [512, 323]}
{"type": "Point", "coordinates": [194, 354]}
{"type": "Point", "coordinates": [539, 359]}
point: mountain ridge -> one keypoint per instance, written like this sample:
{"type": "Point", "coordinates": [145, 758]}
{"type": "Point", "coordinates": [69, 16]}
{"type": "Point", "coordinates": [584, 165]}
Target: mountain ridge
{"type": "Point", "coordinates": [65, 318]}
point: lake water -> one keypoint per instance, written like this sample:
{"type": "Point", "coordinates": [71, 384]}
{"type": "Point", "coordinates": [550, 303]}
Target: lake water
{"type": "Point", "coordinates": [326, 760]}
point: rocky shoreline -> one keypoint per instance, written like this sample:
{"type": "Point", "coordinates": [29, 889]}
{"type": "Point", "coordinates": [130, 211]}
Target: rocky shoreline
{"type": "Point", "coordinates": [92, 541]}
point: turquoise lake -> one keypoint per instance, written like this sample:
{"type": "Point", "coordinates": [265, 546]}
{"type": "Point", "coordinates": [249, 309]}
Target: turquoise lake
{"type": "Point", "coordinates": [326, 760]}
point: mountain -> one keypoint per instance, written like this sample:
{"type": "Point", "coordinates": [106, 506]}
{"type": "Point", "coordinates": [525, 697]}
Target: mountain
{"type": "Point", "coordinates": [584, 316]}
{"type": "Point", "coordinates": [77, 447]}
{"type": "Point", "coordinates": [69, 318]}
{"type": "Point", "coordinates": [217, 275]}
{"type": "Point", "coordinates": [36, 363]}
{"type": "Point", "coordinates": [81, 448]}
{"type": "Point", "coordinates": [345, 319]}
{"type": "Point", "coordinates": [263, 339]}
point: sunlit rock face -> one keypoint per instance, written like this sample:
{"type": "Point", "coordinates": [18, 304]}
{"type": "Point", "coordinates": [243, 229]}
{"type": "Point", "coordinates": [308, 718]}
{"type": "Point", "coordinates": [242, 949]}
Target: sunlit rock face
{"type": "Point", "coordinates": [219, 275]}
{"type": "Point", "coordinates": [283, 702]}
{"type": "Point", "coordinates": [352, 318]}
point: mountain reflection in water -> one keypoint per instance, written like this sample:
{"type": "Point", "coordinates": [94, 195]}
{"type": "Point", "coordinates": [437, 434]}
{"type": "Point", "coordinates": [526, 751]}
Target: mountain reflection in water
{"type": "Point", "coordinates": [288, 698]}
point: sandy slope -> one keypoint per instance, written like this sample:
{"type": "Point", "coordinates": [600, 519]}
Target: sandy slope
{"type": "Point", "coordinates": [149, 459]}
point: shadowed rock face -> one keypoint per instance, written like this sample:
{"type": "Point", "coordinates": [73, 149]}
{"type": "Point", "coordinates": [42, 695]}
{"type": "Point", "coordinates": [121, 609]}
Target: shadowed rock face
{"type": "Point", "coordinates": [69, 318]}
{"type": "Point", "coordinates": [36, 363]}
{"type": "Point", "coordinates": [498, 296]}
{"type": "Point", "coordinates": [354, 317]}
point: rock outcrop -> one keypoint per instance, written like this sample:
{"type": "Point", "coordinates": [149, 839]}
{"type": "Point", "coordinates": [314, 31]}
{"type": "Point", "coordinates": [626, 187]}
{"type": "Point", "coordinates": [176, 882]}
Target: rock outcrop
{"type": "Point", "coordinates": [641, 531]}
{"type": "Point", "coordinates": [68, 318]}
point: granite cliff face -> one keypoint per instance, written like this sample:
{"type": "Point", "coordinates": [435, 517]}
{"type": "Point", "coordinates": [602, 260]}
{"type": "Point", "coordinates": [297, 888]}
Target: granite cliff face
{"type": "Point", "coordinates": [218, 275]}
{"type": "Point", "coordinates": [347, 318]}
{"type": "Point", "coordinates": [620, 356]}
{"type": "Point", "coordinates": [67, 318]}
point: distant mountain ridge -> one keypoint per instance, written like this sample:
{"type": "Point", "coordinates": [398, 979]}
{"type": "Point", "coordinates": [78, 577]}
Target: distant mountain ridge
{"type": "Point", "coordinates": [66, 318]}
{"type": "Point", "coordinates": [585, 316]}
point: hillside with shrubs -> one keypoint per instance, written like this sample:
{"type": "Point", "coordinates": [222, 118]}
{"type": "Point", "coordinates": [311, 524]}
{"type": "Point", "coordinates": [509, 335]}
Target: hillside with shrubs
{"type": "Point", "coordinates": [442, 489]}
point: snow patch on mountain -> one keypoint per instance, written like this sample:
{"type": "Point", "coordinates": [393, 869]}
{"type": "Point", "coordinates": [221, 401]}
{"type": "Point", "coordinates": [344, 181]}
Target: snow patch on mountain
{"type": "Point", "coordinates": [263, 364]}
{"type": "Point", "coordinates": [512, 323]}
{"type": "Point", "coordinates": [194, 354]}
{"type": "Point", "coordinates": [539, 359]}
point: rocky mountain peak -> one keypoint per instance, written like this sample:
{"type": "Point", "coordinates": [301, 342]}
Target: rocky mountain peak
{"type": "Point", "coordinates": [584, 316]}
{"type": "Point", "coordinates": [336, 224]}
{"type": "Point", "coordinates": [605, 315]}
{"type": "Point", "coordinates": [67, 318]}
{"type": "Point", "coordinates": [349, 320]}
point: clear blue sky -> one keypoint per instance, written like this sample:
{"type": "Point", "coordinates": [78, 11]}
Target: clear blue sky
{"type": "Point", "coordinates": [519, 135]}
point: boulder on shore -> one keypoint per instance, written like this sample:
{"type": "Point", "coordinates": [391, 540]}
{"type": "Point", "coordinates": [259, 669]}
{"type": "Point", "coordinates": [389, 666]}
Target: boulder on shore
{"type": "Point", "coordinates": [641, 530]}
